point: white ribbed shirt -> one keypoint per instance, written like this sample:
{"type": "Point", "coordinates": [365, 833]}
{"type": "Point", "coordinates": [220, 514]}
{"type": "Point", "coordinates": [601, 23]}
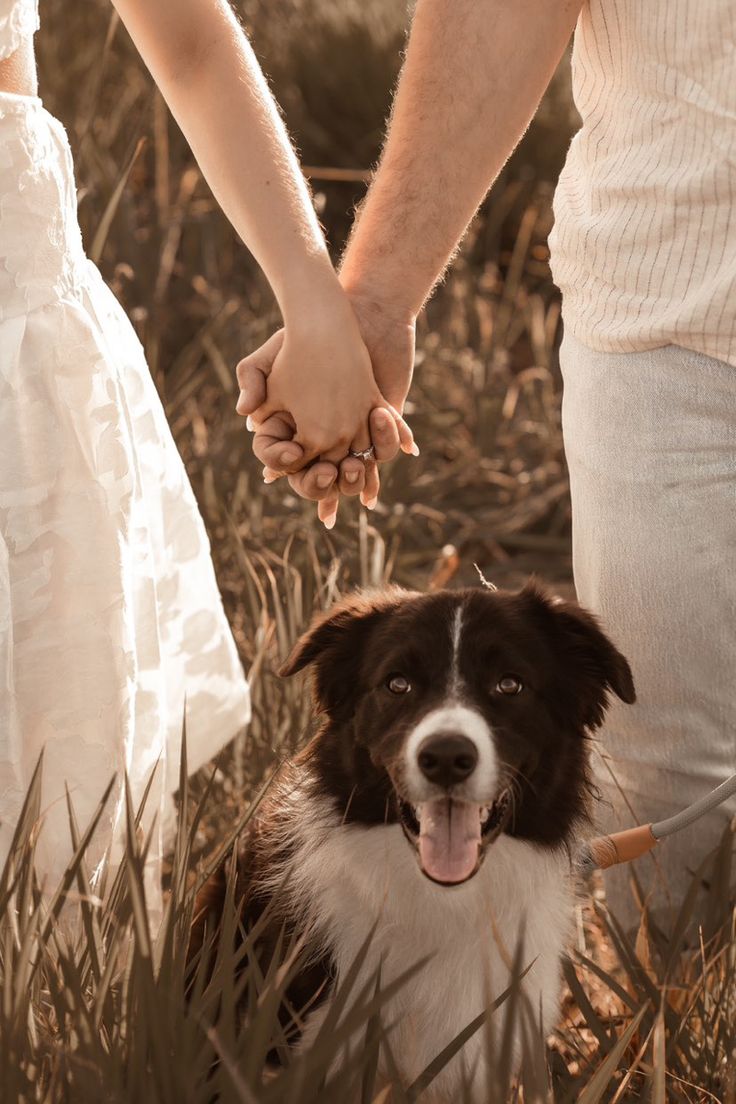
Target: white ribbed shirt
{"type": "Point", "coordinates": [644, 243]}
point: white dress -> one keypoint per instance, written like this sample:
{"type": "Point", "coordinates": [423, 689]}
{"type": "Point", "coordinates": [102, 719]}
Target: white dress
{"type": "Point", "coordinates": [110, 614]}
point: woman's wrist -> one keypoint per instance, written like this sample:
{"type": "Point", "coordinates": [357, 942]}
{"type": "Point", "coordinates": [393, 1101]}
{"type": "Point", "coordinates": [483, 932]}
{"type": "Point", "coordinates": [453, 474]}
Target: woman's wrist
{"type": "Point", "coordinates": [309, 291]}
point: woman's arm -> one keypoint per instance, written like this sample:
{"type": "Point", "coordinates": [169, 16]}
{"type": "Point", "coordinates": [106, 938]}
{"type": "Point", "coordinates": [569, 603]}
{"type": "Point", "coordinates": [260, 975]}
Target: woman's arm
{"type": "Point", "coordinates": [18, 72]}
{"type": "Point", "coordinates": [474, 73]}
{"type": "Point", "coordinates": [211, 80]}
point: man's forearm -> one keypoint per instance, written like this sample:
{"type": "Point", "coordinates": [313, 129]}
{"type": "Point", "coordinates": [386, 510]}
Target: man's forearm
{"type": "Point", "coordinates": [475, 71]}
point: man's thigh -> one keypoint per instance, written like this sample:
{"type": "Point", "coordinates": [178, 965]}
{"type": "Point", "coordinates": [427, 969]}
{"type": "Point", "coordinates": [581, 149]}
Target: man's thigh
{"type": "Point", "coordinates": [650, 440]}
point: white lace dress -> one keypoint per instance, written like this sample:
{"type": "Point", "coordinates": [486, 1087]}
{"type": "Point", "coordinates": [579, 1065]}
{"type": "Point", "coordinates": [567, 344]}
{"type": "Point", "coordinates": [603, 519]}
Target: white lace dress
{"type": "Point", "coordinates": [109, 609]}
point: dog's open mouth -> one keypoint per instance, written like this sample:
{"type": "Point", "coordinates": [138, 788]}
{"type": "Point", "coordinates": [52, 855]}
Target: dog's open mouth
{"type": "Point", "coordinates": [451, 837]}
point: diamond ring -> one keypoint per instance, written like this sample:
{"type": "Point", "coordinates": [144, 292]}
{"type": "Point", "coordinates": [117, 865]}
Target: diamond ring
{"type": "Point", "coordinates": [363, 454]}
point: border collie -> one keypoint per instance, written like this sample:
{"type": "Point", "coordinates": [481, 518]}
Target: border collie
{"type": "Point", "coordinates": [437, 803]}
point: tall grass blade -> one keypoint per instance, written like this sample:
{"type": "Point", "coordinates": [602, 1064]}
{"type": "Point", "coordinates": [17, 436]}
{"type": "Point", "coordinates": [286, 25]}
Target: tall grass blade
{"type": "Point", "coordinates": [427, 1076]}
{"type": "Point", "coordinates": [103, 229]}
{"type": "Point", "coordinates": [601, 1079]}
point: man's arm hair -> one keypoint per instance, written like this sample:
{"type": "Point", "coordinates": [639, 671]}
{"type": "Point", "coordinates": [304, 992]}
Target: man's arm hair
{"type": "Point", "coordinates": [474, 73]}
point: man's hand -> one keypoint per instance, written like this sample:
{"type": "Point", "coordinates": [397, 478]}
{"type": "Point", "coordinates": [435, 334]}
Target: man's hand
{"type": "Point", "coordinates": [473, 75]}
{"type": "Point", "coordinates": [389, 339]}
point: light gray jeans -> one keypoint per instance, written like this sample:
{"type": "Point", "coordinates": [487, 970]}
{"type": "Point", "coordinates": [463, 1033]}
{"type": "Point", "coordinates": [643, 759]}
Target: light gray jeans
{"type": "Point", "coordinates": [650, 439]}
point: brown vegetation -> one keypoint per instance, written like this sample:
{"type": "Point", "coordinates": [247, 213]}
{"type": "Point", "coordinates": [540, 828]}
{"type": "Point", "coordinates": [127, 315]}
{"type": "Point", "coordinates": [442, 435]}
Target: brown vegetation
{"type": "Point", "coordinates": [101, 1020]}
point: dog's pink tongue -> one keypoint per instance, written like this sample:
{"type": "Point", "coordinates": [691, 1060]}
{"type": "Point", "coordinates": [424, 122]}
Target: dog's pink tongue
{"type": "Point", "coordinates": [449, 839]}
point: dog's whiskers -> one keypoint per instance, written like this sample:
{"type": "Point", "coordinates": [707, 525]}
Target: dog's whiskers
{"type": "Point", "coordinates": [517, 776]}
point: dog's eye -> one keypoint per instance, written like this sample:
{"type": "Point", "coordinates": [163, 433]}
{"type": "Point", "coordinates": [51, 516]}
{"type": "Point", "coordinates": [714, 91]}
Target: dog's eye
{"type": "Point", "coordinates": [397, 684]}
{"type": "Point", "coordinates": [509, 685]}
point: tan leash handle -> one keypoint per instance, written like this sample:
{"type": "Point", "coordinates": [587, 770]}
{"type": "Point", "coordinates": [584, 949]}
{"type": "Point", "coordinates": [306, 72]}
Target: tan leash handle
{"type": "Point", "coordinates": [605, 851]}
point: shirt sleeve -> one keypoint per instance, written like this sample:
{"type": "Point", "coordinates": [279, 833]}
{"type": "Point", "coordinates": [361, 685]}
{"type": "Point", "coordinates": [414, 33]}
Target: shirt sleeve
{"type": "Point", "coordinates": [18, 20]}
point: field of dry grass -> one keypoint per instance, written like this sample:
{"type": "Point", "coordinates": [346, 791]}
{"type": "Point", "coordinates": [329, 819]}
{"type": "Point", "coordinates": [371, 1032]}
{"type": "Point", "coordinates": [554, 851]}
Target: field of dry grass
{"type": "Point", "coordinates": [104, 1019]}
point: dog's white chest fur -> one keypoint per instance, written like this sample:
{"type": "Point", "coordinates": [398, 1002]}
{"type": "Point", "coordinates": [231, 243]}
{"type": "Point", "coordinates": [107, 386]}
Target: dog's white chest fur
{"type": "Point", "coordinates": [348, 878]}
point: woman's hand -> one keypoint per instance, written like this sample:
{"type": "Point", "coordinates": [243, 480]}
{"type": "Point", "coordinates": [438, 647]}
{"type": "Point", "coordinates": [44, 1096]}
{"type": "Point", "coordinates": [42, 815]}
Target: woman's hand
{"type": "Point", "coordinates": [318, 371]}
{"type": "Point", "coordinates": [211, 80]}
{"type": "Point", "coordinates": [389, 339]}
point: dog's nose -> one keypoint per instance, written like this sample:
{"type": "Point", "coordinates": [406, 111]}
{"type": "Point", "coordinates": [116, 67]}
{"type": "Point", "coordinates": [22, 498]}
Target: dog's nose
{"type": "Point", "coordinates": [447, 758]}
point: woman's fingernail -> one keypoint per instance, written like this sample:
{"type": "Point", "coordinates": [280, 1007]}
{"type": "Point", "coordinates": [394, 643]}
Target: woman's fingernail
{"type": "Point", "coordinates": [288, 456]}
{"type": "Point", "coordinates": [414, 449]}
{"type": "Point", "coordinates": [352, 476]}
{"type": "Point", "coordinates": [249, 423]}
{"type": "Point", "coordinates": [269, 477]}
{"type": "Point", "coordinates": [325, 480]}
{"type": "Point", "coordinates": [371, 504]}
{"type": "Point", "coordinates": [329, 522]}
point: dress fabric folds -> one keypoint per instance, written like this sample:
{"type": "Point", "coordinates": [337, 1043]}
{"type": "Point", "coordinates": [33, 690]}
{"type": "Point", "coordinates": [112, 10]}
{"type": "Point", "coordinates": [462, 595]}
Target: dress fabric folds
{"type": "Point", "coordinates": [110, 615]}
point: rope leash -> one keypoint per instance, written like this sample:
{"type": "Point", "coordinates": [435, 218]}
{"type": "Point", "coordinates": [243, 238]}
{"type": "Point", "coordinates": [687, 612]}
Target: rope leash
{"type": "Point", "coordinates": [605, 851]}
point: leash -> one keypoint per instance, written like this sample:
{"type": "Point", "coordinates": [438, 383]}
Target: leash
{"type": "Point", "coordinates": [605, 851]}
{"type": "Point", "coordinates": [632, 843]}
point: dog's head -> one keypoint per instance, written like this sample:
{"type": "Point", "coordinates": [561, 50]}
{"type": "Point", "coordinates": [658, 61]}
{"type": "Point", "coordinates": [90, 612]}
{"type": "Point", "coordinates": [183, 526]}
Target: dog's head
{"type": "Point", "coordinates": [460, 714]}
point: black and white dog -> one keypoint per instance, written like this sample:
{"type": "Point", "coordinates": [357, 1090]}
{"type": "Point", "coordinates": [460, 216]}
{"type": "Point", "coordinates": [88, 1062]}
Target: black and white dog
{"type": "Point", "coordinates": [438, 802]}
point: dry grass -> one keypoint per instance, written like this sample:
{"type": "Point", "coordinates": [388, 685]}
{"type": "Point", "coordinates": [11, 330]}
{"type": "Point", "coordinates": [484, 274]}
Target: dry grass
{"type": "Point", "coordinates": [95, 1006]}
{"type": "Point", "coordinates": [101, 1018]}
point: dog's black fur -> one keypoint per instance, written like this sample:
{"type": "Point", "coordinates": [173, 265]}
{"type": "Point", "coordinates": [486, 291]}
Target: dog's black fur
{"type": "Point", "coordinates": [558, 652]}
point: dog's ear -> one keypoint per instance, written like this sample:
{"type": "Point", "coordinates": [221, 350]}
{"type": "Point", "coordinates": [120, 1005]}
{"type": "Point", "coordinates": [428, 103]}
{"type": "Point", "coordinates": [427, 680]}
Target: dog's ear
{"type": "Point", "coordinates": [335, 644]}
{"type": "Point", "coordinates": [327, 633]}
{"type": "Point", "coordinates": [595, 664]}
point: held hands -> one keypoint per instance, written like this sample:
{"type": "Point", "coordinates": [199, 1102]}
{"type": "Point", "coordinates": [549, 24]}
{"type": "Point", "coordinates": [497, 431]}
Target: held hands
{"type": "Point", "coordinates": [314, 393]}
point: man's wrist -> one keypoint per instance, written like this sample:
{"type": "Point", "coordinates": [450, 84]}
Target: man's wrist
{"type": "Point", "coordinates": [379, 296]}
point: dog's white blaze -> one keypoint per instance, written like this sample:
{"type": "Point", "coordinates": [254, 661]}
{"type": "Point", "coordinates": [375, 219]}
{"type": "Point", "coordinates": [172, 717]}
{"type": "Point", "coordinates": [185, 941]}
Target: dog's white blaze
{"type": "Point", "coordinates": [457, 628]}
{"type": "Point", "coordinates": [453, 717]}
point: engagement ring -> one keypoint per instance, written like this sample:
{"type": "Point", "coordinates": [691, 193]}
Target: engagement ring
{"type": "Point", "coordinates": [363, 454]}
